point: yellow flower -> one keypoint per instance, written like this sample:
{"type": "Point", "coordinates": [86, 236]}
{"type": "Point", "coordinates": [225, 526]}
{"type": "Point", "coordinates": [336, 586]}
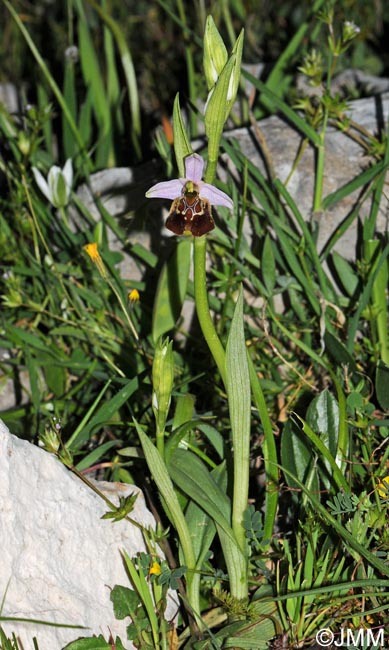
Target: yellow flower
{"type": "Point", "coordinates": [92, 251]}
{"type": "Point", "coordinates": [134, 296]}
{"type": "Point", "coordinates": [155, 569]}
{"type": "Point", "coordinates": [383, 488]}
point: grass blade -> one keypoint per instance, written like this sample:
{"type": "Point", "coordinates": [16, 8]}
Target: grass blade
{"type": "Point", "coordinates": [129, 73]}
{"type": "Point", "coordinates": [50, 80]}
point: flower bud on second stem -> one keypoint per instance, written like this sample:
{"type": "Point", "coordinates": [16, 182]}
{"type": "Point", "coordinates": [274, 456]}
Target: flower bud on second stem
{"type": "Point", "coordinates": [163, 378]}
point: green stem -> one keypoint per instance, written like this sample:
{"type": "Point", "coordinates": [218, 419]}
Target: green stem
{"type": "Point", "coordinates": [269, 455]}
{"type": "Point", "coordinates": [124, 309]}
{"type": "Point", "coordinates": [378, 311]}
{"type": "Point", "coordinates": [202, 307]}
{"type": "Point", "coordinates": [319, 175]}
{"type": "Point", "coordinates": [64, 216]}
{"type": "Point", "coordinates": [160, 440]}
{"type": "Point", "coordinates": [210, 171]}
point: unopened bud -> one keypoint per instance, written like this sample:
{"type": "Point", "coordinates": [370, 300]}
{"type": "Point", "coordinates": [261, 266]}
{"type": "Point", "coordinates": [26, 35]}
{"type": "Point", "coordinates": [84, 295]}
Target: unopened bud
{"type": "Point", "coordinates": [163, 378]}
{"type": "Point", "coordinates": [24, 143]}
{"type": "Point", "coordinates": [222, 96]}
{"type": "Point", "coordinates": [215, 53]}
{"type": "Point", "coordinates": [50, 439]}
{"type": "Point", "coordinates": [235, 74]}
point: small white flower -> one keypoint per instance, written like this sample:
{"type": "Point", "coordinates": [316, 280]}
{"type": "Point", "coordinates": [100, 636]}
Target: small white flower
{"type": "Point", "coordinates": [352, 26]}
{"type": "Point", "coordinates": [350, 31]}
{"type": "Point", "coordinates": [58, 186]}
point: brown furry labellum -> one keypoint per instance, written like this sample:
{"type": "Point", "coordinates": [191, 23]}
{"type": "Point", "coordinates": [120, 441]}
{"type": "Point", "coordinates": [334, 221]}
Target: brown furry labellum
{"type": "Point", "coordinates": [190, 214]}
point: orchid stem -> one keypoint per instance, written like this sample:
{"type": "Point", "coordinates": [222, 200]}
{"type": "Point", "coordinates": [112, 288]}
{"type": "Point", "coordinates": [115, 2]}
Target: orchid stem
{"type": "Point", "coordinates": [210, 171]}
{"type": "Point", "coordinates": [202, 307]}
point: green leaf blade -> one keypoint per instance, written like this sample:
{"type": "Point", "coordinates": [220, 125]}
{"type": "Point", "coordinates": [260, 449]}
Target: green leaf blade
{"type": "Point", "coordinates": [239, 402]}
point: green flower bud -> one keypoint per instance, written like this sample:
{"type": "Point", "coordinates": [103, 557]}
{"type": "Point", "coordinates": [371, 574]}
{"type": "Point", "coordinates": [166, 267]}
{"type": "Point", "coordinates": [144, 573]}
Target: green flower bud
{"type": "Point", "coordinates": [215, 53]}
{"type": "Point", "coordinates": [216, 110]}
{"type": "Point", "coordinates": [235, 74]}
{"type": "Point", "coordinates": [24, 143]}
{"type": "Point", "coordinates": [163, 378]}
{"type": "Point", "coordinates": [50, 439]}
{"type": "Point", "coordinates": [221, 98]}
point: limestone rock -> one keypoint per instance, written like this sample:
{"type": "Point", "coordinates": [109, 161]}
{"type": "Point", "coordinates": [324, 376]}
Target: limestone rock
{"type": "Point", "coordinates": [59, 560]}
{"type": "Point", "coordinates": [10, 98]}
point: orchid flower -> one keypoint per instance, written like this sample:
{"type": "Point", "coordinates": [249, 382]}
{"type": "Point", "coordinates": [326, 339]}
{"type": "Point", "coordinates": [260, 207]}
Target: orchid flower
{"type": "Point", "coordinates": [191, 212]}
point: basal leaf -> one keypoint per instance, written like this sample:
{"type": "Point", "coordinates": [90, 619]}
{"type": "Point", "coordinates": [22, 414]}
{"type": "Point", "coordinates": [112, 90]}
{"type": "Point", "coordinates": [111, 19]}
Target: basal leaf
{"type": "Point", "coordinates": [92, 643]}
{"type": "Point", "coordinates": [347, 276]}
{"type": "Point", "coordinates": [125, 601]}
{"type": "Point", "coordinates": [296, 454]}
{"type": "Point", "coordinates": [192, 476]}
{"type": "Point", "coordinates": [323, 418]}
{"type": "Point", "coordinates": [239, 404]}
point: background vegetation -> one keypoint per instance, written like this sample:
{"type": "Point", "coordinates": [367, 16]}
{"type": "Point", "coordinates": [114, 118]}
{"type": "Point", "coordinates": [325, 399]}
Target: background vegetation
{"type": "Point", "coordinates": [97, 84]}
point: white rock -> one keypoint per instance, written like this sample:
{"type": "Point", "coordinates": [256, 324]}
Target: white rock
{"type": "Point", "coordinates": [59, 560]}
